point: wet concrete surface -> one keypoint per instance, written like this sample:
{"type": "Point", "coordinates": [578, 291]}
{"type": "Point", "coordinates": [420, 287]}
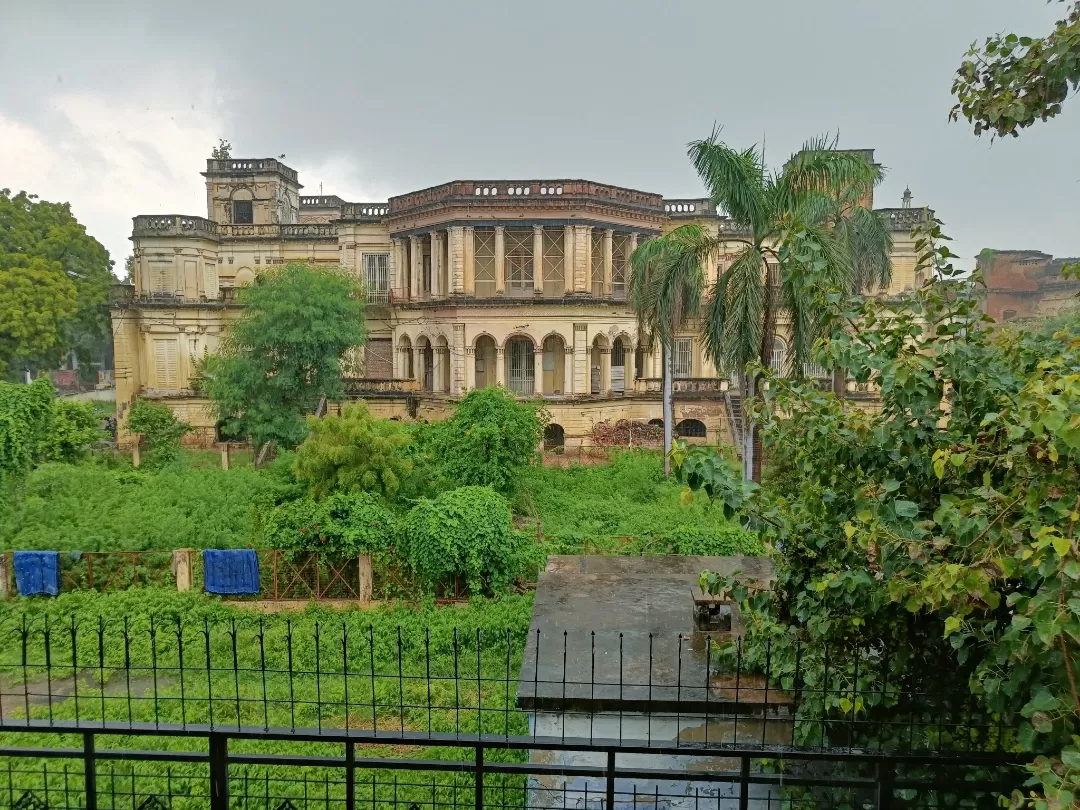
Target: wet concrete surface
{"type": "Point", "coordinates": [16, 695]}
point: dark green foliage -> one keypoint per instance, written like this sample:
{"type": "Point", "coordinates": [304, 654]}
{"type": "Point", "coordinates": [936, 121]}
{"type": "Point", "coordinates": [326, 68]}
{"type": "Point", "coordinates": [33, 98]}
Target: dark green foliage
{"type": "Point", "coordinates": [43, 244]}
{"type": "Point", "coordinates": [88, 507]}
{"type": "Point", "coordinates": [1013, 81]}
{"type": "Point", "coordinates": [161, 431]}
{"type": "Point", "coordinates": [354, 453]}
{"type": "Point", "coordinates": [345, 524]}
{"type": "Point", "coordinates": [465, 533]}
{"type": "Point", "coordinates": [284, 353]}
{"type": "Point", "coordinates": [73, 428]}
{"type": "Point", "coordinates": [25, 412]}
{"type": "Point", "coordinates": [490, 439]}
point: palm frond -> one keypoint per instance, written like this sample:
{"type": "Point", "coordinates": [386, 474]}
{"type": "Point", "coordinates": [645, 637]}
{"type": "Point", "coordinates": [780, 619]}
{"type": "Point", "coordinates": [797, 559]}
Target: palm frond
{"type": "Point", "coordinates": [736, 308]}
{"type": "Point", "coordinates": [870, 245]}
{"type": "Point", "coordinates": [820, 167]}
{"type": "Point", "coordinates": [735, 180]}
{"type": "Point", "coordinates": [666, 281]}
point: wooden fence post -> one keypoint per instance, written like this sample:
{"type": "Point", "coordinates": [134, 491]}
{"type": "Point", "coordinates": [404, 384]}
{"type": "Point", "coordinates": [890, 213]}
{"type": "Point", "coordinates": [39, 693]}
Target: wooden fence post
{"type": "Point", "coordinates": [6, 589]}
{"type": "Point", "coordinates": [224, 455]}
{"type": "Point", "coordinates": [363, 577]}
{"type": "Point", "coordinates": [181, 568]}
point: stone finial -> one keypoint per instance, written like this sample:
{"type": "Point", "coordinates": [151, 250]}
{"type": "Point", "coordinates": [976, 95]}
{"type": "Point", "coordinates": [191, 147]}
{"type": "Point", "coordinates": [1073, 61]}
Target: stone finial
{"type": "Point", "coordinates": [906, 200]}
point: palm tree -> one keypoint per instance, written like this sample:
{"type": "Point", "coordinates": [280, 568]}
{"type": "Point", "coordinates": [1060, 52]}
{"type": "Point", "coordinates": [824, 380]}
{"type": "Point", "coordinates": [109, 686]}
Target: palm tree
{"type": "Point", "coordinates": [808, 223]}
{"type": "Point", "coordinates": [666, 283]}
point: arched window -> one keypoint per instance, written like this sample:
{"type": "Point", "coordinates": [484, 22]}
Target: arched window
{"type": "Point", "coordinates": [554, 436]}
{"type": "Point", "coordinates": [690, 429]}
{"type": "Point", "coordinates": [779, 358]}
{"type": "Point", "coordinates": [243, 212]}
{"type": "Point", "coordinates": [520, 366]}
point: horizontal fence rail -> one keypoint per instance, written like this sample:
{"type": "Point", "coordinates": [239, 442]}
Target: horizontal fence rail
{"type": "Point", "coordinates": [147, 713]}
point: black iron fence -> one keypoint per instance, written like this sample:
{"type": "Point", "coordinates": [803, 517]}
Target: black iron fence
{"type": "Point", "coordinates": [280, 714]}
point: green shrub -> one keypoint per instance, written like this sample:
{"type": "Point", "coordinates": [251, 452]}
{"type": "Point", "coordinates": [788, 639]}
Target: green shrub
{"type": "Point", "coordinates": [724, 540]}
{"type": "Point", "coordinates": [465, 533]}
{"type": "Point", "coordinates": [74, 427]}
{"type": "Point", "coordinates": [488, 441]}
{"type": "Point", "coordinates": [345, 523]}
{"type": "Point", "coordinates": [160, 429]}
{"type": "Point", "coordinates": [354, 453]}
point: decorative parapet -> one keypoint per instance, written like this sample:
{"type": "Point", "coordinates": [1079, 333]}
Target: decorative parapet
{"type": "Point", "coordinates": [325, 201]}
{"type": "Point", "coordinates": [690, 209]}
{"type": "Point", "coordinates": [682, 385]}
{"type": "Point", "coordinates": [308, 231]}
{"type": "Point", "coordinates": [903, 219]}
{"type": "Point", "coordinates": [358, 387]}
{"type": "Point", "coordinates": [364, 212]}
{"type": "Point", "coordinates": [537, 193]}
{"type": "Point", "coordinates": [727, 227]}
{"type": "Point", "coordinates": [174, 225]}
{"type": "Point", "coordinates": [247, 166]}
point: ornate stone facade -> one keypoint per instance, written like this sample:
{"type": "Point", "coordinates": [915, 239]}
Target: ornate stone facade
{"type": "Point", "coordinates": [520, 283]}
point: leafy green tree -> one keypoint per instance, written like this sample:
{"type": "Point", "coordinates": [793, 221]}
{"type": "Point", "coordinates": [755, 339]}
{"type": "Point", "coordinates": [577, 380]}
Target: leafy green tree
{"type": "Point", "coordinates": [283, 354]}
{"type": "Point", "coordinates": [666, 281]}
{"type": "Point", "coordinates": [159, 428]}
{"type": "Point", "coordinates": [464, 533]}
{"type": "Point", "coordinates": [344, 524]}
{"type": "Point", "coordinates": [1013, 81]}
{"type": "Point", "coordinates": [38, 234]}
{"type": "Point", "coordinates": [806, 220]}
{"type": "Point", "coordinates": [25, 412]}
{"type": "Point", "coordinates": [941, 529]}
{"type": "Point", "coordinates": [36, 300]}
{"type": "Point", "coordinates": [73, 427]}
{"type": "Point", "coordinates": [354, 452]}
{"type": "Point", "coordinates": [490, 438]}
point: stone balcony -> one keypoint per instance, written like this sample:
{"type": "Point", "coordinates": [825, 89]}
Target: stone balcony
{"type": "Point", "coordinates": [166, 225]}
{"type": "Point", "coordinates": [708, 386]}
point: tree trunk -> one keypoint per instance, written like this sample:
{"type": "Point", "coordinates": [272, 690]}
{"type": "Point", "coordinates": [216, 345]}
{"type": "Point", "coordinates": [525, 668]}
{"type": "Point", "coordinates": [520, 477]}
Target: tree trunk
{"type": "Point", "coordinates": [749, 428]}
{"type": "Point", "coordinates": [668, 358]}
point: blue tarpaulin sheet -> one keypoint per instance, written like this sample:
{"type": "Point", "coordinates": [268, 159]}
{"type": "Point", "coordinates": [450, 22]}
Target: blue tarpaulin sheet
{"type": "Point", "coordinates": [37, 572]}
{"type": "Point", "coordinates": [234, 571]}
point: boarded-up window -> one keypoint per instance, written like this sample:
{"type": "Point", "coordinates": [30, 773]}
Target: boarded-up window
{"type": "Point", "coordinates": [379, 359]}
{"type": "Point", "coordinates": [210, 282]}
{"type": "Point", "coordinates": [165, 365]}
{"type": "Point", "coordinates": [161, 278]}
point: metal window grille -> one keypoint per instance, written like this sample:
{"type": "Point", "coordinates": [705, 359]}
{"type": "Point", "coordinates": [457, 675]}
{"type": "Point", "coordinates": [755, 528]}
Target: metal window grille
{"type": "Point", "coordinates": [684, 357]}
{"type": "Point", "coordinates": [377, 277]}
{"type": "Point", "coordinates": [484, 262]}
{"type": "Point", "coordinates": [779, 359]}
{"type": "Point", "coordinates": [620, 261]}
{"type": "Point", "coordinates": [596, 263]}
{"type": "Point", "coordinates": [522, 376]}
{"type": "Point", "coordinates": [519, 261]}
{"type": "Point", "coordinates": [554, 262]}
{"type": "Point", "coordinates": [242, 213]}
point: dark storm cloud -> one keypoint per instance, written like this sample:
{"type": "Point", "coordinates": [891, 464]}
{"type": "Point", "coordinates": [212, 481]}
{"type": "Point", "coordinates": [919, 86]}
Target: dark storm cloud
{"type": "Point", "coordinates": [380, 98]}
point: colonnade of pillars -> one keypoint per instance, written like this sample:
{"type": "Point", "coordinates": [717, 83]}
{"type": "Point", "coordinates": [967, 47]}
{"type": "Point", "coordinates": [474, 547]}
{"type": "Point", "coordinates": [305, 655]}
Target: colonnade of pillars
{"type": "Point", "coordinates": [443, 262]}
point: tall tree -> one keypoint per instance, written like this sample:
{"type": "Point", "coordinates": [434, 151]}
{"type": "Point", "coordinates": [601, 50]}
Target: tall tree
{"type": "Point", "coordinates": [807, 229]}
{"type": "Point", "coordinates": [1013, 81]}
{"type": "Point", "coordinates": [283, 354]}
{"type": "Point", "coordinates": [36, 300]}
{"type": "Point", "coordinates": [666, 283]}
{"type": "Point", "coordinates": [48, 232]}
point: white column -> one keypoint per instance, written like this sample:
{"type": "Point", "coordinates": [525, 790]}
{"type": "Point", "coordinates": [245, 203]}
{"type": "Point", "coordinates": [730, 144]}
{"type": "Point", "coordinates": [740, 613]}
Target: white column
{"type": "Point", "coordinates": [395, 268]}
{"type": "Point", "coordinates": [417, 265]}
{"type": "Point", "coordinates": [581, 359]}
{"type": "Point", "coordinates": [458, 361]}
{"type": "Point", "coordinates": [500, 367]}
{"type": "Point", "coordinates": [470, 262]}
{"type": "Point", "coordinates": [605, 371]}
{"type": "Point", "coordinates": [538, 370]}
{"type": "Point", "coordinates": [582, 245]}
{"type": "Point", "coordinates": [538, 259]}
{"type": "Point", "coordinates": [455, 253]}
{"type": "Point", "coordinates": [436, 266]}
{"type": "Point", "coordinates": [568, 370]}
{"type": "Point", "coordinates": [609, 236]}
{"type": "Point", "coordinates": [568, 260]}
{"type": "Point", "coordinates": [470, 369]}
{"type": "Point", "coordinates": [500, 260]}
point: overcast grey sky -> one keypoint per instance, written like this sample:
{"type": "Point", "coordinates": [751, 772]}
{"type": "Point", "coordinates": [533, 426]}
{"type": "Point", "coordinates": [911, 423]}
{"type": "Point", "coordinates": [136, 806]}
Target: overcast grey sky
{"type": "Point", "coordinates": [114, 106]}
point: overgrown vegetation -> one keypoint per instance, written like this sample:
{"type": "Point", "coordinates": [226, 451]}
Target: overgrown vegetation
{"type": "Point", "coordinates": [159, 428]}
{"type": "Point", "coordinates": [941, 529]}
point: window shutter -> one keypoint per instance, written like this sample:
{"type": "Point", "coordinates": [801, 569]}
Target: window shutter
{"type": "Point", "coordinates": [166, 367]}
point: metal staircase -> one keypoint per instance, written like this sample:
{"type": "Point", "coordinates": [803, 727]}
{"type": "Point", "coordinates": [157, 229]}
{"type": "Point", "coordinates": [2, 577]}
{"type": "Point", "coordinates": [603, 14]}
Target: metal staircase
{"type": "Point", "coordinates": [735, 418]}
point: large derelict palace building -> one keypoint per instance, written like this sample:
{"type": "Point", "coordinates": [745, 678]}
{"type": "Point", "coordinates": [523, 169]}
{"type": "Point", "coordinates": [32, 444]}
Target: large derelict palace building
{"type": "Point", "coordinates": [519, 283]}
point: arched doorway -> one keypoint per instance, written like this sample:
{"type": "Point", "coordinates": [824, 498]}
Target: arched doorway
{"type": "Point", "coordinates": [427, 363]}
{"type": "Point", "coordinates": [618, 364]}
{"type": "Point", "coordinates": [554, 437]}
{"type": "Point", "coordinates": [554, 365]}
{"type": "Point", "coordinates": [405, 358]}
{"type": "Point", "coordinates": [598, 360]}
{"type": "Point", "coordinates": [484, 361]}
{"type": "Point", "coordinates": [442, 365]}
{"type": "Point", "coordinates": [520, 366]}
